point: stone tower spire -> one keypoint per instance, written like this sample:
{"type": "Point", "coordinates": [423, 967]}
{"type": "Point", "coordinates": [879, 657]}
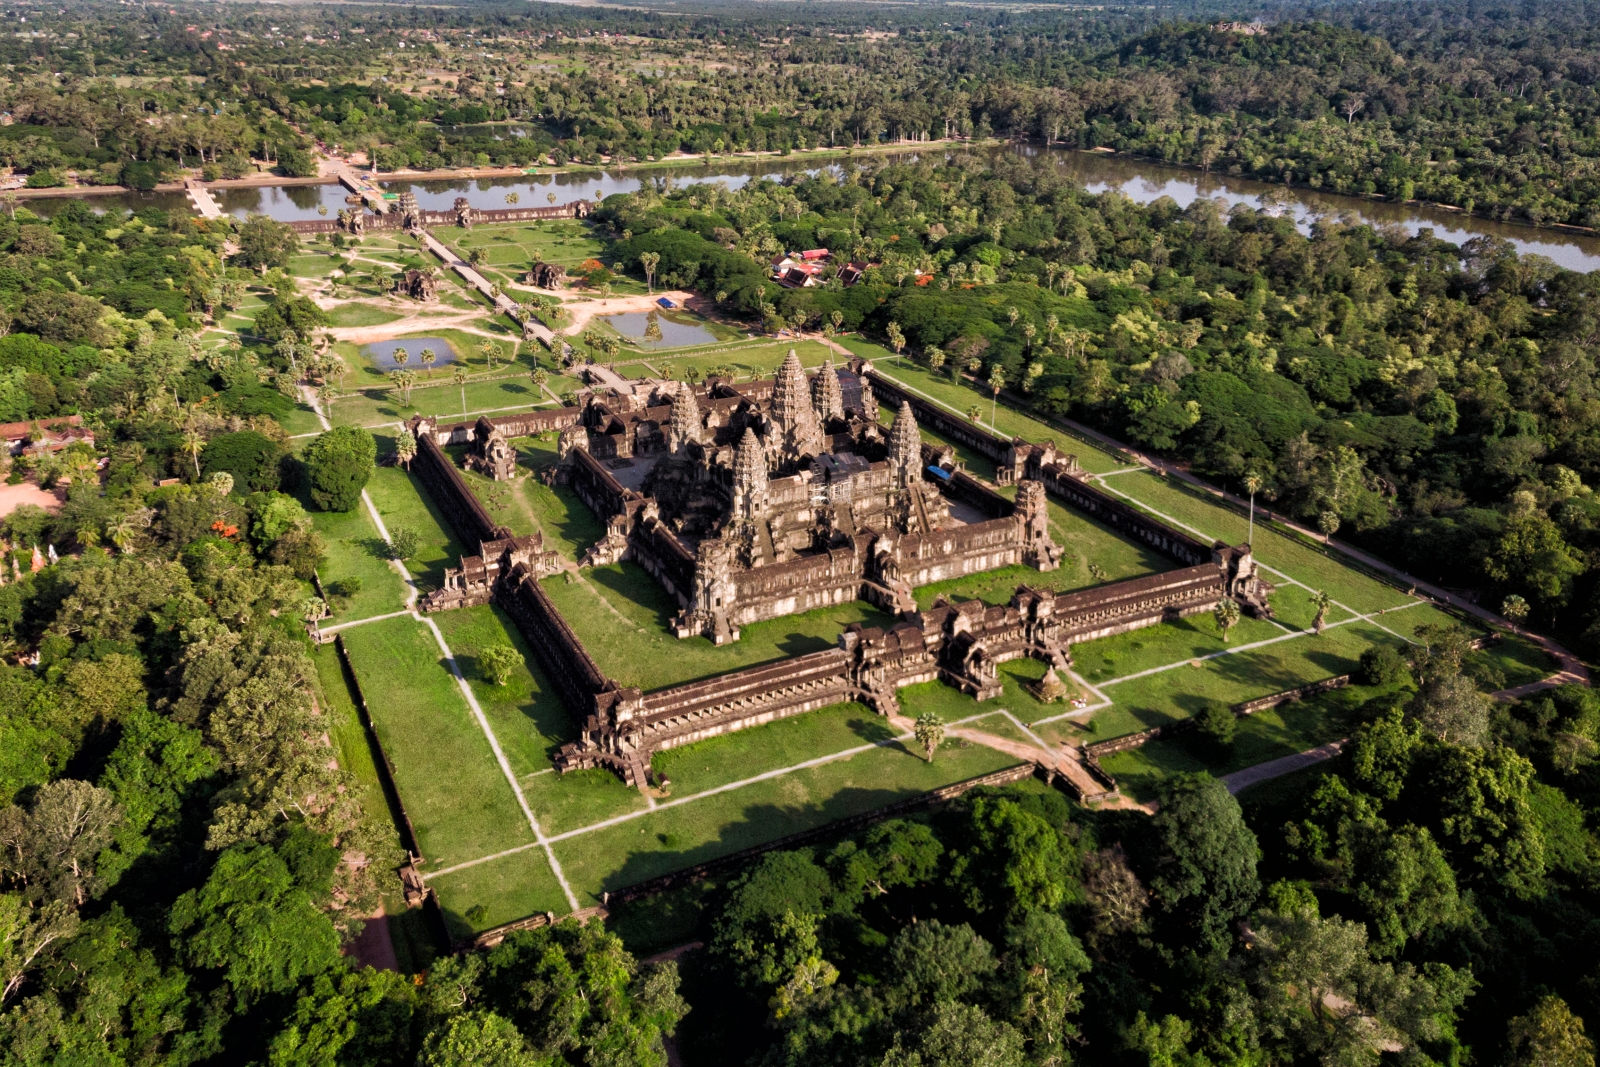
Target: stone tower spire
{"type": "Point", "coordinates": [869, 401]}
{"type": "Point", "coordinates": [749, 477]}
{"type": "Point", "coordinates": [826, 395]}
{"type": "Point", "coordinates": [799, 429]}
{"type": "Point", "coordinates": [905, 447]}
{"type": "Point", "coordinates": [684, 427]}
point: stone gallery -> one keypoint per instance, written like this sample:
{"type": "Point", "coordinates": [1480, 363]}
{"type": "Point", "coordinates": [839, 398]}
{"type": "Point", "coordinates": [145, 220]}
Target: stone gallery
{"type": "Point", "coordinates": [754, 501]}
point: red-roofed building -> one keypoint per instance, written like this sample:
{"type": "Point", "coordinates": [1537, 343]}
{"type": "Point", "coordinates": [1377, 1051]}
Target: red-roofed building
{"type": "Point", "coordinates": [45, 435]}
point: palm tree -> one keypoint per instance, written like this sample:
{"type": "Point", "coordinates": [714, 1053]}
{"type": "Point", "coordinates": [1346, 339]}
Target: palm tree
{"type": "Point", "coordinates": [1322, 600]}
{"type": "Point", "coordinates": [1252, 485]}
{"type": "Point", "coordinates": [460, 377]}
{"type": "Point", "coordinates": [400, 356]}
{"type": "Point", "coordinates": [997, 382]}
{"type": "Point", "coordinates": [405, 450]}
{"type": "Point", "coordinates": [539, 376]}
{"type": "Point", "coordinates": [403, 381]}
{"type": "Point", "coordinates": [1227, 616]}
{"type": "Point", "coordinates": [648, 261]}
{"type": "Point", "coordinates": [427, 356]}
{"type": "Point", "coordinates": [929, 732]}
{"type": "Point", "coordinates": [1514, 608]}
{"type": "Point", "coordinates": [551, 197]}
{"type": "Point", "coordinates": [194, 444]}
{"type": "Point", "coordinates": [512, 198]}
{"type": "Point", "coordinates": [974, 413]}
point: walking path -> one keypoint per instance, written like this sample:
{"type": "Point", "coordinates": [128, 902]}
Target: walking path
{"type": "Point", "coordinates": [201, 198]}
{"type": "Point", "coordinates": [369, 192]}
{"type": "Point", "coordinates": [1239, 781]}
{"type": "Point", "coordinates": [502, 303]}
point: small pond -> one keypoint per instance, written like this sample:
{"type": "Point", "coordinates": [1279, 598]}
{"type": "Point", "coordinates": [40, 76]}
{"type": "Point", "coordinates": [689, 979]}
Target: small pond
{"type": "Point", "coordinates": [636, 329]}
{"type": "Point", "coordinates": [382, 353]}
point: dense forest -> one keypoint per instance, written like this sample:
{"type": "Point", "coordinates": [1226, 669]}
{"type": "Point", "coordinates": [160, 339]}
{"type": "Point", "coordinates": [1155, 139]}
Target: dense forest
{"type": "Point", "coordinates": [1436, 403]}
{"type": "Point", "coordinates": [182, 861]}
{"type": "Point", "coordinates": [1478, 108]}
{"type": "Point", "coordinates": [1429, 902]}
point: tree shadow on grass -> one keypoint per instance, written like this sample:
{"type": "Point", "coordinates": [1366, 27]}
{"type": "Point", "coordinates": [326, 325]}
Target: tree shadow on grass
{"type": "Point", "coordinates": [658, 852]}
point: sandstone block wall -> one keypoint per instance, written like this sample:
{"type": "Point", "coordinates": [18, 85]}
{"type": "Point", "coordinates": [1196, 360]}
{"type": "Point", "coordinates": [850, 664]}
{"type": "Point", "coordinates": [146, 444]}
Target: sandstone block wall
{"type": "Point", "coordinates": [472, 522]}
{"type": "Point", "coordinates": [565, 661]}
{"type": "Point", "coordinates": [1089, 499]}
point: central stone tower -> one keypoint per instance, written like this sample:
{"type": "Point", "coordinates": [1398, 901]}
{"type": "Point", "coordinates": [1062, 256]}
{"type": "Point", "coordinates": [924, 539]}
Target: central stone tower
{"type": "Point", "coordinates": [797, 435]}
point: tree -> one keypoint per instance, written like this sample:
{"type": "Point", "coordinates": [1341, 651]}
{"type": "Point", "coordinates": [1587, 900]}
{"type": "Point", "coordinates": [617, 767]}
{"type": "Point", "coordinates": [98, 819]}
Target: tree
{"type": "Point", "coordinates": [255, 924]}
{"type": "Point", "coordinates": [404, 382]}
{"type": "Point", "coordinates": [959, 1034]}
{"type": "Point", "coordinates": [405, 450]}
{"type": "Point", "coordinates": [1402, 881]}
{"type": "Point", "coordinates": [1206, 876]}
{"type": "Point", "coordinates": [251, 457]}
{"type": "Point", "coordinates": [1328, 522]}
{"type": "Point", "coordinates": [1514, 608]}
{"type": "Point", "coordinates": [478, 1039]}
{"type": "Point", "coordinates": [363, 1017]}
{"type": "Point", "coordinates": [1549, 1035]}
{"type": "Point", "coordinates": [933, 963]}
{"type": "Point", "coordinates": [194, 444]}
{"type": "Point", "coordinates": [649, 260]}
{"type": "Point", "coordinates": [897, 339]}
{"type": "Point", "coordinates": [264, 244]}
{"type": "Point", "coordinates": [403, 543]}
{"type": "Point", "coordinates": [427, 356]}
{"type": "Point", "coordinates": [1227, 615]}
{"type": "Point", "coordinates": [1252, 485]}
{"type": "Point", "coordinates": [929, 732]}
{"type": "Point", "coordinates": [29, 936]}
{"type": "Point", "coordinates": [1217, 724]}
{"type": "Point", "coordinates": [338, 464]}
{"type": "Point", "coordinates": [459, 376]}
{"type": "Point", "coordinates": [1382, 665]}
{"type": "Point", "coordinates": [1533, 555]}
{"type": "Point", "coordinates": [1480, 805]}
{"type": "Point", "coordinates": [1322, 600]}
{"type": "Point", "coordinates": [997, 382]}
{"type": "Point", "coordinates": [52, 845]}
{"type": "Point", "coordinates": [498, 663]}
{"type": "Point", "coordinates": [1452, 709]}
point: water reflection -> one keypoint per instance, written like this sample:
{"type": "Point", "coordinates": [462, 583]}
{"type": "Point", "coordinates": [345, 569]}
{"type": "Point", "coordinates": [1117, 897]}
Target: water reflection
{"type": "Point", "coordinates": [286, 203]}
{"type": "Point", "coordinates": [654, 330]}
{"type": "Point", "coordinates": [1144, 182]}
{"type": "Point", "coordinates": [385, 355]}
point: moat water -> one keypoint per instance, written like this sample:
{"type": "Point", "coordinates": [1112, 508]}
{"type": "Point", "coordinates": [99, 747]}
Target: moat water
{"type": "Point", "coordinates": [1139, 180]}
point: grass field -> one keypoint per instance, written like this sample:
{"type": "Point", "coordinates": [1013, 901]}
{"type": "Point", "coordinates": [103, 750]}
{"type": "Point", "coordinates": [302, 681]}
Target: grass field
{"type": "Point", "coordinates": [459, 801]}
{"type": "Point", "coordinates": [695, 829]}
{"type": "Point", "coordinates": [621, 616]}
{"type": "Point", "coordinates": [401, 502]}
{"type": "Point", "coordinates": [1266, 735]}
{"type": "Point", "coordinates": [360, 315]}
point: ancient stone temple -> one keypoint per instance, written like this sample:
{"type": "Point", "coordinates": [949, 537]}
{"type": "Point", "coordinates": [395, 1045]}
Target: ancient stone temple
{"type": "Point", "coordinates": [545, 275]}
{"type": "Point", "coordinates": [491, 454]}
{"type": "Point", "coordinates": [755, 501]}
{"type": "Point", "coordinates": [419, 285]}
{"type": "Point", "coordinates": [410, 212]}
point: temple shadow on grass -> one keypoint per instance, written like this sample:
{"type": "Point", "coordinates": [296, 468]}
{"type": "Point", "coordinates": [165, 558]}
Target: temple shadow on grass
{"type": "Point", "coordinates": [632, 583]}
{"type": "Point", "coordinates": [544, 708]}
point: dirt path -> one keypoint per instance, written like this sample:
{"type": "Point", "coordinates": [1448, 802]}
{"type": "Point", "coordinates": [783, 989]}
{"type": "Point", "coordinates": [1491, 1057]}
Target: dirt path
{"type": "Point", "coordinates": [412, 323]}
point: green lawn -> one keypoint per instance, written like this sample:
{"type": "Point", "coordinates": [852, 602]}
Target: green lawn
{"type": "Point", "coordinates": [356, 551]}
{"type": "Point", "coordinates": [564, 241]}
{"type": "Point", "coordinates": [1184, 690]}
{"type": "Point", "coordinates": [355, 751]}
{"type": "Point", "coordinates": [1266, 735]}
{"type": "Point", "coordinates": [528, 504]}
{"type": "Point", "coordinates": [299, 421]}
{"type": "Point", "coordinates": [669, 838]}
{"type": "Point", "coordinates": [509, 888]}
{"type": "Point", "coordinates": [526, 713]}
{"type": "Point", "coordinates": [402, 502]}
{"type": "Point", "coordinates": [440, 397]}
{"type": "Point", "coordinates": [1301, 562]}
{"type": "Point", "coordinates": [621, 616]}
{"type": "Point", "coordinates": [360, 315]}
{"type": "Point", "coordinates": [1157, 646]}
{"type": "Point", "coordinates": [458, 799]}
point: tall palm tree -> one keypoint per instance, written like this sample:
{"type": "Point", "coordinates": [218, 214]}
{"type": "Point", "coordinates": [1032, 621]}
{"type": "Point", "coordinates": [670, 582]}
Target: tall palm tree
{"type": "Point", "coordinates": [427, 356]}
{"type": "Point", "coordinates": [1322, 600]}
{"type": "Point", "coordinates": [460, 377]}
{"type": "Point", "coordinates": [194, 444]}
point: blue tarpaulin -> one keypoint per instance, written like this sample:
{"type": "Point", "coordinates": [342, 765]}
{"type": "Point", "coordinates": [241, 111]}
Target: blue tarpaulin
{"type": "Point", "coordinates": [938, 471]}
{"type": "Point", "coordinates": [664, 302]}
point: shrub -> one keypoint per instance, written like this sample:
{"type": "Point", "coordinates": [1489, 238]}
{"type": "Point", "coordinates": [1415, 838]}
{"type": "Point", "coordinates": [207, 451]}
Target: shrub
{"type": "Point", "coordinates": [1381, 665]}
{"type": "Point", "coordinates": [498, 661]}
{"type": "Point", "coordinates": [338, 465]}
{"type": "Point", "coordinates": [1217, 724]}
{"type": "Point", "coordinates": [403, 543]}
